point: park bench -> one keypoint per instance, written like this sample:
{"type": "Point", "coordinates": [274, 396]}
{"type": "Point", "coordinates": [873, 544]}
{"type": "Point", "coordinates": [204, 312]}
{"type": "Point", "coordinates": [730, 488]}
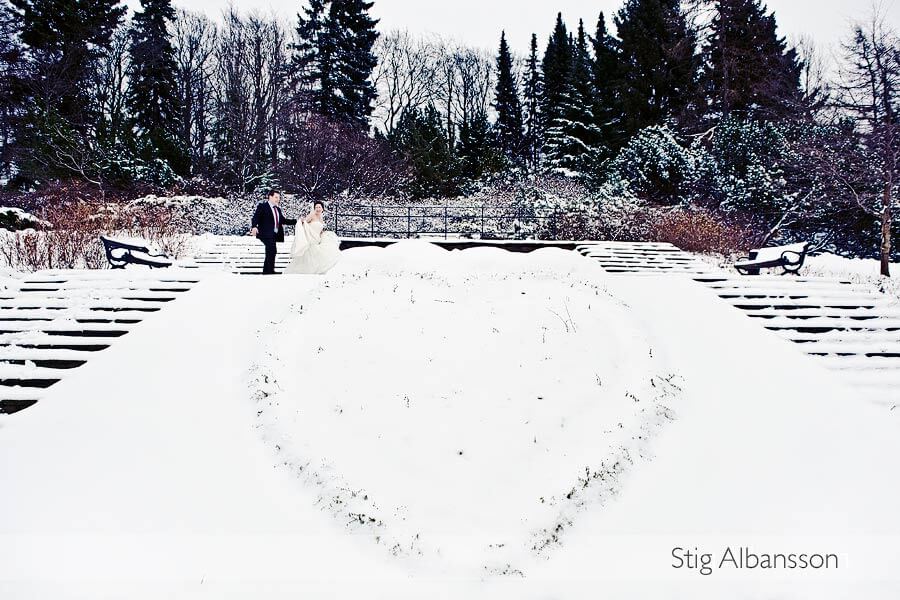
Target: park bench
{"type": "Point", "coordinates": [119, 254]}
{"type": "Point", "coordinates": [790, 258]}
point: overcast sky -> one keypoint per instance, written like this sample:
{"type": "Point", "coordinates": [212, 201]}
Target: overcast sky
{"type": "Point", "coordinates": [479, 22]}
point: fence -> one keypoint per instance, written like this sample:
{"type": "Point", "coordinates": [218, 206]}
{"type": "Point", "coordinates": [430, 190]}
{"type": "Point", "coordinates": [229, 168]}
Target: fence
{"type": "Point", "coordinates": [440, 221]}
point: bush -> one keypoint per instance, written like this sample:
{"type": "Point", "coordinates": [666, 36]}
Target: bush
{"type": "Point", "coordinates": [16, 219]}
{"type": "Point", "coordinates": [700, 231]}
{"type": "Point", "coordinates": [328, 159]}
{"type": "Point", "coordinates": [655, 167]}
{"type": "Point", "coordinates": [71, 239]}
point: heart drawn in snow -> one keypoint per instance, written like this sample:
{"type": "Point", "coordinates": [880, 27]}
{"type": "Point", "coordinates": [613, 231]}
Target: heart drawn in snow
{"type": "Point", "coordinates": [465, 418]}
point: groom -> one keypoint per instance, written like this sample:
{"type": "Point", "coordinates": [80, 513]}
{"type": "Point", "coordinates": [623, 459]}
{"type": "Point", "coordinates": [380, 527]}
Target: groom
{"type": "Point", "coordinates": [268, 225]}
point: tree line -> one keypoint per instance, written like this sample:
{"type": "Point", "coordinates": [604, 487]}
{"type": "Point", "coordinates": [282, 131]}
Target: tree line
{"type": "Point", "coordinates": [669, 102]}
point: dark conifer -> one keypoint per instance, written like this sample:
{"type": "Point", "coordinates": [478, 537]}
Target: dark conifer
{"type": "Point", "coordinates": [62, 40]}
{"type": "Point", "coordinates": [151, 93]}
{"type": "Point", "coordinates": [606, 72]}
{"type": "Point", "coordinates": [508, 106]}
{"type": "Point", "coordinates": [750, 71]}
{"type": "Point", "coordinates": [353, 31]}
{"type": "Point", "coordinates": [573, 138]}
{"type": "Point", "coordinates": [333, 59]}
{"type": "Point", "coordinates": [533, 94]}
{"type": "Point", "coordinates": [659, 63]}
{"type": "Point", "coordinates": [557, 67]}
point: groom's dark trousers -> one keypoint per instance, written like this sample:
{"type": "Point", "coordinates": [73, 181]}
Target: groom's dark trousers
{"type": "Point", "coordinates": [271, 249]}
{"type": "Point", "coordinates": [268, 234]}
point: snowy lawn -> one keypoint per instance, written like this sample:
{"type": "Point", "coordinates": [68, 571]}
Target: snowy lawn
{"type": "Point", "coordinates": [859, 270]}
{"type": "Point", "coordinates": [466, 410]}
{"type": "Point", "coordinates": [414, 425]}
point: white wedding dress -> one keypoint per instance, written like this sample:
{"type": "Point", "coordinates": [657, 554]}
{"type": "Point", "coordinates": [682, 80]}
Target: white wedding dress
{"type": "Point", "coordinates": [314, 251]}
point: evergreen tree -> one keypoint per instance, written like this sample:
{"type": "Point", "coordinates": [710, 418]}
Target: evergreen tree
{"type": "Point", "coordinates": [750, 71]}
{"type": "Point", "coordinates": [572, 139]}
{"type": "Point", "coordinates": [311, 60]}
{"type": "Point", "coordinates": [659, 63]}
{"type": "Point", "coordinates": [11, 52]}
{"type": "Point", "coordinates": [607, 75]}
{"type": "Point", "coordinates": [557, 67]}
{"type": "Point", "coordinates": [477, 148]}
{"type": "Point", "coordinates": [508, 106]}
{"type": "Point", "coordinates": [533, 93]}
{"type": "Point", "coordinates": [151, 94]}
{"type": "Point", "coordinates": [63, 39]}
{"type": "Point", "coordinates": [355, 35]}
{"type": "Point", "coordinates": [419, 137]}
{"type": "Point", "coordinates": [334, 59]}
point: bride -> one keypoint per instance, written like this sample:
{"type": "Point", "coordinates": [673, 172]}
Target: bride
{"type": "Point", "coordinates": [314, 251]}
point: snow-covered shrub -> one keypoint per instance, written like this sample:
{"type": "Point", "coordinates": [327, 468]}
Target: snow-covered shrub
{"type": "Point", "coordinates": [655, 166]}
{"type": "Point", "coordinates": [610, 212]}
{"type": "Point", "coordinates": [749, 160]}
{"type": "Point", "coordinates": [15, 219]}
{"type": "Point", "coordinates": [71, 238]}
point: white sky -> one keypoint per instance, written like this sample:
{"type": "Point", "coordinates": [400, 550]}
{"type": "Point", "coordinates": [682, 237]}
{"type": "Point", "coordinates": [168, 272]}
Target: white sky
{"type": "Point", "coordinates": [479, 22]}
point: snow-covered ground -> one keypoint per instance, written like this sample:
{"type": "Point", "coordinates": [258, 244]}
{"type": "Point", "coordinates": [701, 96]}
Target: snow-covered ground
{"type": "Point", "coordinates": [857, 270]}
{"type": "Point", "coordinates": [420, 423]}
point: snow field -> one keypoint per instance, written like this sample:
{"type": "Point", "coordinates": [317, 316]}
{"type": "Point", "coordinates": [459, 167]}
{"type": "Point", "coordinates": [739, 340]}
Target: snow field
{"type": "Point", "coordinates": [455, 405]}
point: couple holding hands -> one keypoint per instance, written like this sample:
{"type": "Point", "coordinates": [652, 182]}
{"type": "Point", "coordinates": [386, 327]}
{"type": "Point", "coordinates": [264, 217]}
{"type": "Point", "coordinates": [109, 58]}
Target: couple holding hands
{"type": "Point", "coordinates": [314, 250]}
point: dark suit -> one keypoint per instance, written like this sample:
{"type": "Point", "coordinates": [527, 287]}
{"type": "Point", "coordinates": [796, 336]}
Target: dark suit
{"type": "Point", "coordinates": [264, 222]}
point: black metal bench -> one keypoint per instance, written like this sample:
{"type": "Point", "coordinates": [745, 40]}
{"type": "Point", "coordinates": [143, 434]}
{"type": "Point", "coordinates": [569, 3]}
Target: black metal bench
{"type": "Point", "coordinates": [789, 258]}
{"type": "Point", "coordinates": [119, 254]}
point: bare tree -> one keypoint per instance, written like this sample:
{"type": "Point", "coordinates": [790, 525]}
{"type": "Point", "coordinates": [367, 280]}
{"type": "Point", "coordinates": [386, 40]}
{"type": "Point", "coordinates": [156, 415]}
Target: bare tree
{"type": "Point", "coordinates": [815, 77]}
{"type": "Point", "coordinates": [328, 159]}
{"type": "Point", "coordinates": [447, 88]}
{"type": "Point", "coordinates": [465, 85]}
{"type": "Point", "coordinates": [110, 84]}
{"type": "Point", "coordinates": [475, 71]}
{"type": "Point", "coordinates": [405, 76]}
{"type": "Point", "coordinates": [194, 39]}
{"type": "Point", "coordinates": [870, 91]}
{"type": "Point", "coordinates": [250, 69]}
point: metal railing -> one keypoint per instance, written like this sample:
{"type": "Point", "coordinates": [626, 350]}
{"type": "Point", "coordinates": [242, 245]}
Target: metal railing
{"type": "Point", "coordinates": [435, 221]}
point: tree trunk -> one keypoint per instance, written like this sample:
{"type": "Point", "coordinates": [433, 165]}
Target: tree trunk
{"type": "Point", "coordinates": [886, 229]}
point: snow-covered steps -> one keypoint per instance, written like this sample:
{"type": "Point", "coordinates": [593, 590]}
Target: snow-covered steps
{"type": "Point", "coordinates": [849, 328]}
{"type": "Point", "coordinates": [241, 255]}
{"type": "Point", "coordinates": [639, 257]}
{"type": "Point", "coordinates": [53, 321]}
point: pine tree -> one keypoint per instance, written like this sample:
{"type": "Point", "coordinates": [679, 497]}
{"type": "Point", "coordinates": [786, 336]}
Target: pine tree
{"type": "Point", "coordinates": [573, 137]}
{"type": "Point", "coordinates": [334, 59]}
{"type": "Point", "coordinates": [419, 137]}
{"type": "Point", "coordinates": [477, 148]}
{"type": "Point", "coordinates": [607, 75]}
{"type": "Point", "coordinates": [312, 55]}
{"type": "Point", "coordinates": [659, 63]}
{"type": "Point", "coordinates": [151, 95]}
{"type": "Point", "coordinates": [11, 52]}
{"type": "Point", "coordinates": [750, 71]}
{"type": "Point", "coordinates": [63, 38]}
{"type": "Point", "coordinates": [533, 94]}
{"type": "Point", "coordinates": [557, 67]}
{"type": "Point", "coordinates": [355, 35]}
{"type": "Point", "coordinates": [508, 106]}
